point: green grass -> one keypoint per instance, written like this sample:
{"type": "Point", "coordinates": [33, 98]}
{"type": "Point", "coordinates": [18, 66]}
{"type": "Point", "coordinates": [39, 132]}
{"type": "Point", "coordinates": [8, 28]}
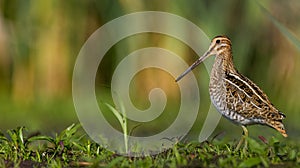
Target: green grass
{"type": "Point", "coordinates": [72, 148]}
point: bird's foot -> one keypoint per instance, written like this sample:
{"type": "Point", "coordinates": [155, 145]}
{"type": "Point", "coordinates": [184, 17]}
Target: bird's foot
{"type": "Point", "coordinates": [244, 140]}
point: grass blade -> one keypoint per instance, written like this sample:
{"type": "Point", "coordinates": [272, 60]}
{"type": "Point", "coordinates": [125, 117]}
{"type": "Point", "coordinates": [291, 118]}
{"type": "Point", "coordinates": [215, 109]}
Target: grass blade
{"type": "Point", "coordinates": [122, 120]}
{"type": "Point", "coordinates": [286, 32]}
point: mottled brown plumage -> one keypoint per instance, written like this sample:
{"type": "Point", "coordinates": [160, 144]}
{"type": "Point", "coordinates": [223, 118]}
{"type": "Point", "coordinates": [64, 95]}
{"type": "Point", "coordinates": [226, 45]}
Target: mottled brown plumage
{"type": "Point", "coordinates": [235, 96]}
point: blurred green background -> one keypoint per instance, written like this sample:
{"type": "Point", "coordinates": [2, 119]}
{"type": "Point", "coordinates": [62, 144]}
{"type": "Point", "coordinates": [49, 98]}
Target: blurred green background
{"type": "Point", "coordinates": [40, 40]}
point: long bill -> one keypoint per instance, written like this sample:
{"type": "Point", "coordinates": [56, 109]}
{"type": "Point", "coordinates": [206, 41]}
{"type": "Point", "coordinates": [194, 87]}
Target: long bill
{"type": "Point", "coordinates": [194, 65]}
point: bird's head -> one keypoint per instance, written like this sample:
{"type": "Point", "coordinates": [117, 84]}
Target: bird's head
{"type": "Point", "coordinates": [218, 45]}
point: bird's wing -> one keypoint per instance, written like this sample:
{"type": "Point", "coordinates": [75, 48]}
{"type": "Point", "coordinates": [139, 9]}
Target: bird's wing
{"type": "Point", "coordinates": [249, 100]}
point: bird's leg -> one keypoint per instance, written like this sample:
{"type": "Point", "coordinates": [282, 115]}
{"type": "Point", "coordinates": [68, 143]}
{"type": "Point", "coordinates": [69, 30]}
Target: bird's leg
{"type": "Point", "coordinates": [244, 138]}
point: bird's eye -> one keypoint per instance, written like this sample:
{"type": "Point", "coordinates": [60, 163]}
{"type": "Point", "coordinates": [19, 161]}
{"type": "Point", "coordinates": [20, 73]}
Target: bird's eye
{"type": "Point", "coordinates": [218, 41]}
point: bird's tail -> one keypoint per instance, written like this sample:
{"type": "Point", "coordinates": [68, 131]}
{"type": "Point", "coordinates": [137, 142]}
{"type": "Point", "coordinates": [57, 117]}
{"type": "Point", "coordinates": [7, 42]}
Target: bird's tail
{"type": "Point", "coordinates": [278, 125]}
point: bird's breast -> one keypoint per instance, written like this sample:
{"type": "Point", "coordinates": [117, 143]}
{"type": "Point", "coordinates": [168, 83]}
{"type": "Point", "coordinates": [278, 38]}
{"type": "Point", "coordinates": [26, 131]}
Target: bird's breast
{"type": "Point", "coordinates": [217, 93]}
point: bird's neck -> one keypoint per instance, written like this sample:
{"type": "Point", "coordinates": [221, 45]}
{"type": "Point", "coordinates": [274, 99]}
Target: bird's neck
{"type": "Point", "coordinates": [223, 64]}
{"type": "Point", "coordinates": [224, 61]}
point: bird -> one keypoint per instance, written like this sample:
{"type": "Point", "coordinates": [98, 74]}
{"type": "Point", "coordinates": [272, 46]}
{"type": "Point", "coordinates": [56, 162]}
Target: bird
{"type": "Point", "coordinates": [235, 96]}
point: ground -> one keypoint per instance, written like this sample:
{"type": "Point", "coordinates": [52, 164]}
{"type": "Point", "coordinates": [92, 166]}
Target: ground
{"type": "Point", "coordinates": [72, 148]}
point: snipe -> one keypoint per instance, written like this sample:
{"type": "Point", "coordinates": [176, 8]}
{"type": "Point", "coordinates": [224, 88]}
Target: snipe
{"type": "Point", "coordinates": [235, 96]}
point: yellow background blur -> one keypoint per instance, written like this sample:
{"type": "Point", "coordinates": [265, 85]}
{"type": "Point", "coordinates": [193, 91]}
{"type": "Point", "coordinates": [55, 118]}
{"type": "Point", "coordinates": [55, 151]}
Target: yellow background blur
{"type": "Point", "coordinates": [40, 40]}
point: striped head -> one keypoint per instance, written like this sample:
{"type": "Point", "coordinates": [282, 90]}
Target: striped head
{"type": "Point", "coordinates": [218, 45]}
